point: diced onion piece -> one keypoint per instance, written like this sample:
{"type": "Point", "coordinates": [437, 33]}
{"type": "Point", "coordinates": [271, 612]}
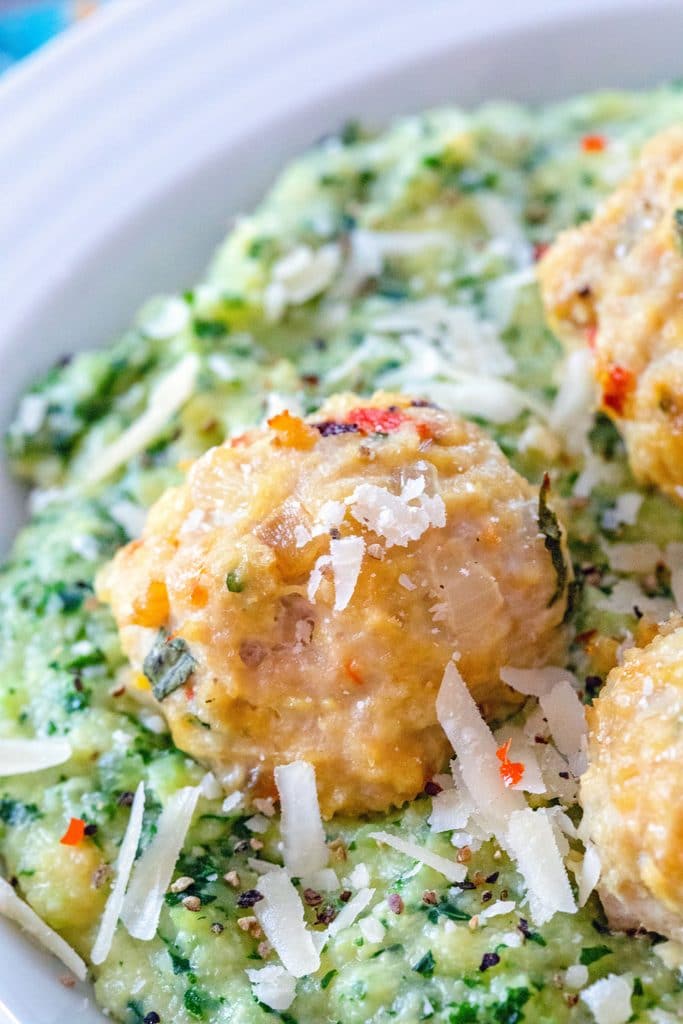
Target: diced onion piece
{"type": "Point", "coordinates": [476, 747]}
{"type": "Point", "coordinates": [273, 985]}
{"type": "Point", "coordinates": [576, 976]}
{"type": "Point", "coordinates": [124, 865]}
{"type": "Point", "coordinates": [448, 868]}
{"type": "Point", "coordinates": [346, 556]}
{"type": "Point", "coordinates": [152, 873]}
{"type": "Point", "coordinates": [303, 836]}
{"type": "Point", "coordinates": [567, 722]}
{"type": "Point", "coordinates": [281, 916]}
{"type": "Point", "coordinates": [20, 756]}
{"type": "Point", "coordinates": [16, 909]}
{"type": "Point", "coordinates": [532, 682]}
{"type": "Point", "coordinates": [609, 999]}
{"type": "Point", "coordinates": [530, 840]}
{"type": "Point", "coordinates": [168, 396]}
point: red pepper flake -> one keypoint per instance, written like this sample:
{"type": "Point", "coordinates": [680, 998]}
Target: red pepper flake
{"type": "Point", "coordinates": [618, 386]}
{"type": "Point", "coordinates": [376, 421]}
{"type": "Point", "coordinates": [511, 772]}
{"type": "Point", "coordinates": [351, 670]}
{"type": "Point", "coordinates": [74, 833]}
{"type": "Point", "coordinates": [540, 249]}
{"type": "Point", "coordinates": [593, 143]}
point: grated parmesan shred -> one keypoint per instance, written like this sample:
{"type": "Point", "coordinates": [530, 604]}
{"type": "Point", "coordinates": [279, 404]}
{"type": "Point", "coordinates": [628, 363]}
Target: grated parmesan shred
{"type": "Point", "coordinates": [303, 836]}
{"type": "Point", "coordinates": [14, 908]}
{"type": "Point", "coordinates": [281, 916]}
{"type": "Point", "coordinates": [22, 756]}
{"type": "Point", "coordinates": [153, 872]}
{"type": "Point", "coordinates": [449, 869]}
{"type": "Point", "coordinates": [168, 396]}
{"type": "Point", "coordinates": [273, 985]}
{"type": "Point", "coordinates": [124, 865]}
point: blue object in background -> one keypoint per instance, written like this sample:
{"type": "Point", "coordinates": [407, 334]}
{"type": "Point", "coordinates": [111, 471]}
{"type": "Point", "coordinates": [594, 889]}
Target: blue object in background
{"type": "Point", "coordinates": [24, 27]}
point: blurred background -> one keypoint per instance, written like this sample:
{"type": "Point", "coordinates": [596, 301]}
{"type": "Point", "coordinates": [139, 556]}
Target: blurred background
{"type": "Point", "coordinates": [25, 25]}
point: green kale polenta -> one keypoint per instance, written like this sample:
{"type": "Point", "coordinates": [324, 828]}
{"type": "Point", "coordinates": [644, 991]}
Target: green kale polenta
{"type": "Point", "coordinates": [402, 262]}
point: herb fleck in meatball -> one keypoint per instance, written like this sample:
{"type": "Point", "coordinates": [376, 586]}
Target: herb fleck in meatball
{"type": "Point", "coordinates": [615, 283]}
{"type": "Point", "coordinates": [300, 594]}
{"type": "Point", "coordinates": [631, 793]}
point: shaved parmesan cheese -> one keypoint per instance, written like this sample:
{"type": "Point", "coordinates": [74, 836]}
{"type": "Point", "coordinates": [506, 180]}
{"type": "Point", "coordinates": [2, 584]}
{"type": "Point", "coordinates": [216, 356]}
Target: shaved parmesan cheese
{"type": "Point", "coordinates": [211, 787]}
{"type": "Point", "coordinates": [21, 756]}
{"type": "Point", "coordinates": [299, 276]}
{"type": "Point", "coordinates": [567, 722]}
{"type": "Point", "coordinates": [450, 810]}
{"type": "Point", "coordinates": [371, 929]}
{"type": "Point", "coordinates": [350, 911]}
{"type": "Point", "coordinates": [168, 396]}
{"type": "Point", "coordinates": [152, 873]}
{"type": "Point", "coordinates": [124, 865]}
{"type": "Point", "coordinates": [496, 909]}
{"type": "Point", "coordinates": [346, 556]}
{"type": "Point", "coordinates": [316, 577]}
{"type": "Point", "coordinates": [625, 510]}
{"type": "Point", "coordinates": [324, 880]}
{"type": "Point", "coordinates": [257, 823]}
{"type": "Point", "coordinates": [359, 877]}
{"type": "Point", "coordinates": [281, 916]}
{"type": "Point", "coordinates": [273, 985]}
{"type": "Point", "coordinates": [571, 415]}
{"type": "Point", "coordinates": [16, 909]}
{"type": "Point", "coordinates": [626, 596]}
{"type": "Point", "coordinates": [449, 869]}
{"type": "Point", "coordinates": [609, 999]}
{"type": "Point", "coordinates": [232, 802]}
{"type": "Point", "coordinates": [392, 516]}
{"type": "Point", "coordinates": [261, 867]}
{"type": "Point", "coordinates": [588, 874]}
{"type": "Point", "coordinates": [473, 742]}
{"type": "Point", "coordinates": [303, 835]}
{"type": "Point", "coordinates": [532, 682]}
{"type": "Point", "coordinates": [531, 842]}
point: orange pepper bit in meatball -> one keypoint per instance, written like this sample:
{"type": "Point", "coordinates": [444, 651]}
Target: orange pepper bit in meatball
{"type": "Point", "coordinates": [317, 592]}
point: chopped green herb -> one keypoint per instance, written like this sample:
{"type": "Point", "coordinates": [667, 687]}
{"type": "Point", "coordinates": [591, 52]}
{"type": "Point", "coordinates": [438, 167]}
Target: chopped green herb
{"type": "Point", "coordinates": [234, 582]}
{"type": "Point", "coordinates": [589, 954]}
{"type": "Point", "coordinates": [328, 978]}
{"type": "Point", "coordinates": [168, 665]}
{"type": "Point", "coordinates": [549, 525]}
{"type": "Point", "coordinates": [678, 225]}
{"type": "Point", "coordinates": [425, 965]}
{"type": "Point", "coordinates": [14, 812]}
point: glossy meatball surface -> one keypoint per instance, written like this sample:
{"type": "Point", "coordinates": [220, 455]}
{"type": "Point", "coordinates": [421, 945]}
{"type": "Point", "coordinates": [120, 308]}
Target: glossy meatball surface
{"type": "Point", "coordinates": [301, 593]}
{"type": "Point", "coordinates": [615, 284]}
{"type": "Point", "coordinates": [631, 793]}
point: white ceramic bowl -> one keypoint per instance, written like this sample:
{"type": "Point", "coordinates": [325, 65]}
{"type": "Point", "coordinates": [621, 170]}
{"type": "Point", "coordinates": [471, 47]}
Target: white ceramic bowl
{"type": "Point", "coordinates": [128, 144]}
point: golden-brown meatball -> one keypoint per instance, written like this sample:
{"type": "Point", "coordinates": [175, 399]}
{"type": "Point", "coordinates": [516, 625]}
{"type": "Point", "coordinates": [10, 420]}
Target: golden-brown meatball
{"type": "Point", "coordinates": [313, 581]}
{"type": "Point", "coordinates": [615, 283]}
{"type": "Point", "coordinates": [631, 793]}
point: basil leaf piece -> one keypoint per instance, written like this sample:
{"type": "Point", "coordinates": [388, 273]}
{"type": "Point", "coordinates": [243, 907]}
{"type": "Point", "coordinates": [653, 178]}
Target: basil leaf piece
{"type": "Point", "coordinates": [168, 664]}
{"type": "Point", "coordinates": [549, 525]}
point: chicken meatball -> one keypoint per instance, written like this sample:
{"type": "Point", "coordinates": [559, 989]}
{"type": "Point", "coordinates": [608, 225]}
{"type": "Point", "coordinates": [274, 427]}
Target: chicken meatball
{"type": "Point", "coordinates": [631, 791]}
{"type": "Point", "coordinates": [301, 593]}
{"type": "Point", "coordinates": [615, 284]}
